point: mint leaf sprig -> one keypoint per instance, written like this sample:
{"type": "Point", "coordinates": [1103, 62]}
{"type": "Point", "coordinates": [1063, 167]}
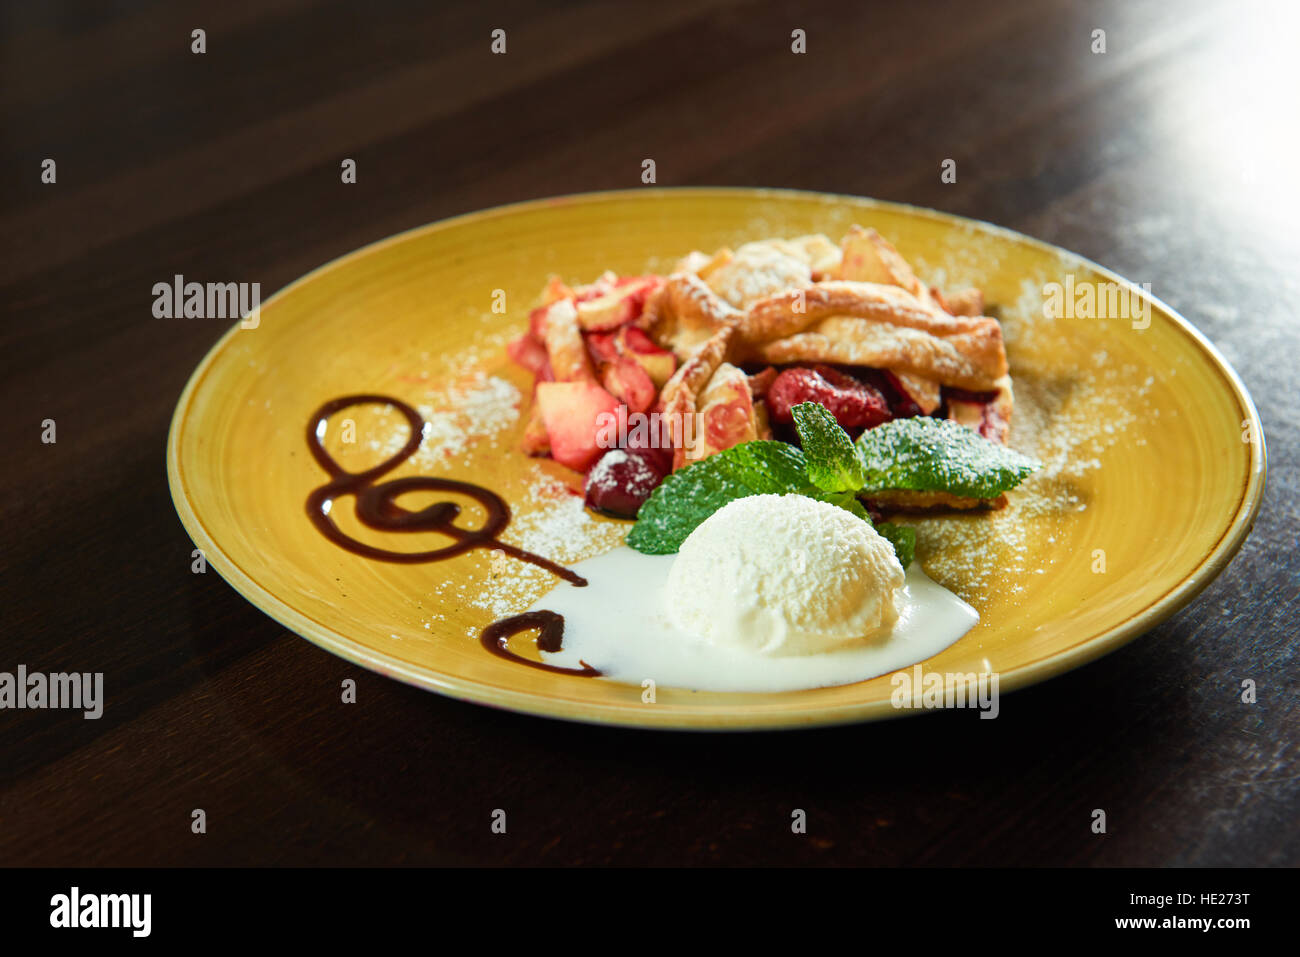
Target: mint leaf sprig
{"type": "Point", "coordinates": [829, 471]}
{"type": "Point", "coordinates": [836, 468]}
{"type": "Point", "coordinates": [938, 455]}
{"type": "Point", "coordinates": [690, 495]}
{"type": "Point", "coordinates": [833, 463]}
{"type": "Point", "coordinates": [920, 454]}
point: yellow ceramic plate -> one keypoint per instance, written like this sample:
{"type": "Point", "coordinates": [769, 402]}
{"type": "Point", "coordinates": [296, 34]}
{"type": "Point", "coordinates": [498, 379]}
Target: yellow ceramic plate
{"type": "Point", "coordinates": [1154, 456]}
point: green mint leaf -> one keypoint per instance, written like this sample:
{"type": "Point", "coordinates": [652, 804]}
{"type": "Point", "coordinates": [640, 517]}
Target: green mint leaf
{"type": "Point", "coordinates": [833, 463]}
{"type": "Point", "coordinates": [690, 495]}
{"type": "Point", "coordinates": [903, 538]}
{"type": "Point", "coordinates": [844, 500]}
{"type": "Point", "coordinates": [936, 455]}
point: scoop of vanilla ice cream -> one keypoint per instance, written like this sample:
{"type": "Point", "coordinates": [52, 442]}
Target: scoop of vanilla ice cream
{"type": "Point", "coordinates": [784, 575]}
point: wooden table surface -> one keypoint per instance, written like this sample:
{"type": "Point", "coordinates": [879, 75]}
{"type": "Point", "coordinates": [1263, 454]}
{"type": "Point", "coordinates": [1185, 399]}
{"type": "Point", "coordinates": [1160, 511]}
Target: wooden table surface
{"type": "Point", "coordinates": [1170, 158]}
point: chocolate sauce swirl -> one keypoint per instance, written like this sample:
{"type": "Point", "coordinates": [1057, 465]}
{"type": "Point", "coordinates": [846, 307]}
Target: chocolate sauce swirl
{"type": "Point", "coordinates": [550, 637]}
{"type": "Point", "coordinates": [377, 508]}
{"type": "Point", "coordinates": [376, 505]}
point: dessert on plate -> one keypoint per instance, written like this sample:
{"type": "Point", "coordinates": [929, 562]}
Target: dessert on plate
{"type": "Point", "coordinates": [759, 412]}
{"type": "Point", "coordinates": [718, 353]}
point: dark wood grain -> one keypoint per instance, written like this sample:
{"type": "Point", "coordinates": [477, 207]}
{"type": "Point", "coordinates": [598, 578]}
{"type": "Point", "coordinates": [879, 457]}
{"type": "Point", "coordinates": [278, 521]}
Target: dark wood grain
{"type": "Point", "coordinates": [1170, 158]}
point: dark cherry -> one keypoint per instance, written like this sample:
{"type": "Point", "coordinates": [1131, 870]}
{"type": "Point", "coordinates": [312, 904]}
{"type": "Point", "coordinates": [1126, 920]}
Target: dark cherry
{"type": "Point", "coordinates": [965, 395]}
{"type": "Point", "coordinates": [622, 480]}
{"type": "Point", "coordinates": [644, 442]}
{"type": "Point", "coordinates": [901, 404]}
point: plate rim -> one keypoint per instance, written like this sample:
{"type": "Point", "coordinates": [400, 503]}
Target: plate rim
{"type": "Point", "coordinates": [685, 717]}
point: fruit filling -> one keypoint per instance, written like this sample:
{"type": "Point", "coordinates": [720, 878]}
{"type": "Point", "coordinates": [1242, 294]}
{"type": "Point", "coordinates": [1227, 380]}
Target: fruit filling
{"type": "Point", "coordinates": [722, 350]}
{"type": "Point", "coordinates": [855, 404]}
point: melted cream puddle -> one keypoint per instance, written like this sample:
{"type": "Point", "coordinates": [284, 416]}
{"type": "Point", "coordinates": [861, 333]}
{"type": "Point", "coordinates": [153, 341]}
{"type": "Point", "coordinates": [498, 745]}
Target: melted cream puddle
{"type": "Point", "coordinates": [618, 625]}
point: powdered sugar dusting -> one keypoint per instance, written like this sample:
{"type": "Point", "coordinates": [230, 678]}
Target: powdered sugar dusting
{"type": "Point", "coordinates": [550, 520]}
{"type": "Point", "coordinates": [1068, 413]}
{"type": "Point", "coordinates": [553, 521]}
{"type": "Point", "coordinates": [1069, 410]}
{"type": "Point", "coordinates": [757, 270]}
{"type": "Point", "coordinates": [471, 409]}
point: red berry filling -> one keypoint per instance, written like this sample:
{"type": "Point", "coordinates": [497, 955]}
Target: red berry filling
{"type": "Point", "coordinates": [965, 395]}
{"type": "Point", "coordinates": [855, 404]}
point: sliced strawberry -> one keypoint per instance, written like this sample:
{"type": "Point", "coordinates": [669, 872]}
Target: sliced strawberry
{"type": "Point", "coordinates": [635, 339]}
{"type": "Point", "coordinates": [659, 364]}
{"type": "Point", "coordinates": [855, 404]}
{"type": "Point", "coordinates": [537, 322]}
{"type": "Point", "coordinates": [528, 352]}
{"type": "Point", "coordinates": [623, 303]}
{"type": "Point", "coordinates": [629, 383]}
{"type": "Point", "coordinates": [602, 346]}
{"type": "Point", "coordinates": [761, 382]}
{"type": "Point", "coordinates": [605, 312]}
{"type": "Point", "coordinates": [573, 414]}
{"type": "Point", "coordinates": [726, 423]}
{"type": "Point", "coordinates": [726, 411]}
{"type": "Point", "coordinates": [644, 287]}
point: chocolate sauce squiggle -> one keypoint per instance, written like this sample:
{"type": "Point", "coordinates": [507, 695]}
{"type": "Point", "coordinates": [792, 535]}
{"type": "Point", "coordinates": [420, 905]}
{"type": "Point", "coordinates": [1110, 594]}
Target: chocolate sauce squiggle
{"type": "Point", "coordinates": [550, 637]}
{"type": "Point", "coordinates": [376, 506]}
